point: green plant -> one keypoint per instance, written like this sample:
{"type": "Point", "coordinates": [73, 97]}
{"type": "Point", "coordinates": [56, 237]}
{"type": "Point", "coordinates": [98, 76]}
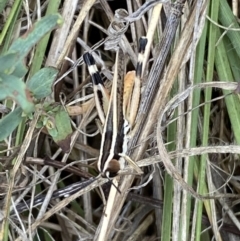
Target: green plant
{"type": "Point", "coordinates": [28, 95]}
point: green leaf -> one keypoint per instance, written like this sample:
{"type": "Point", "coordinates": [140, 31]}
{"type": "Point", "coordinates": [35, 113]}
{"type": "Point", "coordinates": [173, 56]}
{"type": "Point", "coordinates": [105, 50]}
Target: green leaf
{"type": "Point", "coordinates": [20, 70]}
{"type": "Point", "coordinates": [61, 130]}
{"type": "Point", "coordinates": [24, 44]}
{"type": "Point", "coordinates": [41, 83]}
{"type": "Point", "coordinates": [8, 62]}
{"type": "Point", "coordinates": [2, 5]}
{"type": "Point", "coordinates": [9, 122]}
{"type": "Point", "coordinates": [14, 88]}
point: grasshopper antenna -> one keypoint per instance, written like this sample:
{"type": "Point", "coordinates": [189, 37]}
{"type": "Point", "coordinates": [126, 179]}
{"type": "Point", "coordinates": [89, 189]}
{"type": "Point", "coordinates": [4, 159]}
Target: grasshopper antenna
{"type": "Point", "coordinates": [114, 185]}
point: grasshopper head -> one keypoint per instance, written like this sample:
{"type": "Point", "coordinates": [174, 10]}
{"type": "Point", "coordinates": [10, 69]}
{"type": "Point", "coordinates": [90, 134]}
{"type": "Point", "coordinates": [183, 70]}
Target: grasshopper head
{"type": "Point", "coordinates": [112, 169]}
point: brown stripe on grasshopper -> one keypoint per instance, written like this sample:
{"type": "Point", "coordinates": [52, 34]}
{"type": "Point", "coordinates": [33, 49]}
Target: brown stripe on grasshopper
{"type": "Point", "coordinates": [100, 92]}
{"type": "Point", "coordinates": [112, 138]}
{"type": "Point", "coordinates": [126, 114]}
{"type": "Point", "coordinates": [107, 160]}
{"type": "Point", "coordinates": [121, 113]}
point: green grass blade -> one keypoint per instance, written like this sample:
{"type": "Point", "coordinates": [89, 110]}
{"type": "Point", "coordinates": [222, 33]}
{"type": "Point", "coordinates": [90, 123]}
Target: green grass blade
{"type": "Point", "coordinates": [168, 187]}
{"type": "Point", "coordinates": [227, 19]}
{"type": "Point", "coordinates": [225, 74]}
{"type": "Point", "coordinates": [42, 45]}
{"type": "Point", "coordinates": [11, 16]}
{"type": "Point", "coordinates": [214, 8]}
{"type": "Point", "coordinates": [10, 32]}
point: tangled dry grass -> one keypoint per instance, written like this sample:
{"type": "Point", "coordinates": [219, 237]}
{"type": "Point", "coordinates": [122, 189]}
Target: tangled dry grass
{"type": "Point", "coordinates": [186, 136]}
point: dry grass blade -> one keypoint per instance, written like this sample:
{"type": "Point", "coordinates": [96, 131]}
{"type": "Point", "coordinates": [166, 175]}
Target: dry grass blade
{"type": "Point", "coordinates": [74, 31]}
{"type": "Point", "coordinates": [15, 169]}
{"type": "Point", "coordinates": [180, 179]}
{"type": "Point", "coordinates": [64, 203]}
{"type": "Point", "coordinates": [164, 89]}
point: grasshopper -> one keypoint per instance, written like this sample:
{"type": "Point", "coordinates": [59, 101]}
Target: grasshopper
{"type": "Point", "coordinates": [116, 111]}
